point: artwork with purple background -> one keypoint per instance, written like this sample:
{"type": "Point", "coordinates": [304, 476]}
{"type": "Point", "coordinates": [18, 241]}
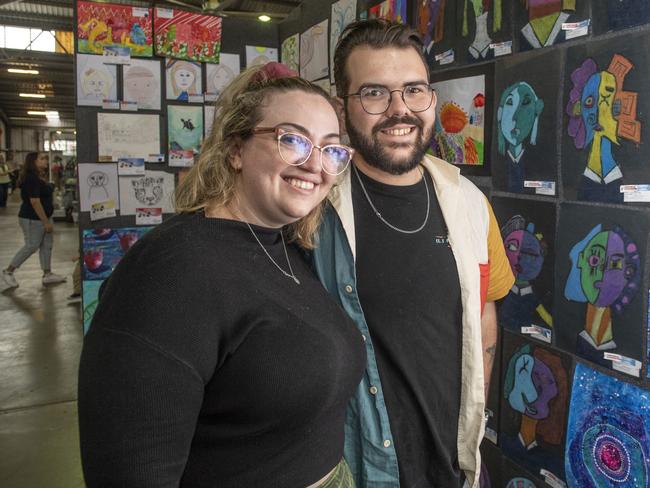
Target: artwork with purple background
{"type": "Point", "coordinates": [608, 441]}
{"type": "Point", "coordinates": [104, 248]}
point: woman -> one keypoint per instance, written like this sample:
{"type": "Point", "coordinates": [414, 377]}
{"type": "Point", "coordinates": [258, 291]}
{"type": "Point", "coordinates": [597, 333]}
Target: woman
{"type": "Point", "coordinates": [35, 218]}
{"type": "Point", "coordinates": [215, 358]}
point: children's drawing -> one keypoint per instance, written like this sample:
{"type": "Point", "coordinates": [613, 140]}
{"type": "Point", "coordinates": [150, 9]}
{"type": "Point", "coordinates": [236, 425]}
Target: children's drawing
{"type": "Point", "coordinates": [605, 274]}
{"type": "Point", "coordinates": [534, 405]}
{"type": "Point", "coordinates": [102, 25]}
{"type": "Point", "coordinates": [257, 55]}
{"type": "Point", "coordinates": [218, 76]}
{"type": "Point", "coordinates": [141, 82]}
{"type": "Point", "coordinates": [96, 81]}
{"type": "Point", "coordinates": [431, 20]}
{"type": "Point", "coordinates": [460, 120]}
{"type": "Point", "coordinates": [183, 79]}
{"type": "Point", "coordinates": [480, 46]}
{"type": "Point", "coordinates": [289, 52]}
{"type": "Point", "coordinates": [208, 119]}
{"type": "Point", "coordinates": [601, 113]}
{"type": "Point", "coordinates": [103, 249]}
{"type": "Point", "coordinates": [90, 300]}
{"type": "Point", "coordinates": [344, 12]}
{"type": "Point", "coordinates": [394, 10]}
{"type": "Point", "coordinates": [187, 35]}
{"type": "Point", "coordinates": [313, 52]}
{"type": "Point", "coordinates": [608, 433]}
{"type": "Point", "coordinates": [127, 136]}
{"type": "Point", "coordinates": [517, 124]}
{"type": "Point", "coordinates": [153, 190]}
{"type": "Point", "coordinates": [184, 128]}
{"type": "Point", "coordinates": [544, 21]}
{"type": "Point", "coordinates": [97, 183]}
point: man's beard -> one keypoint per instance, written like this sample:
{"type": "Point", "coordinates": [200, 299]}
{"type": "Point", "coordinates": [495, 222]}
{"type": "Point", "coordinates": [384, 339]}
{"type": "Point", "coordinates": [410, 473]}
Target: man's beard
{"type": "Point", "coordinates": [376, 155]}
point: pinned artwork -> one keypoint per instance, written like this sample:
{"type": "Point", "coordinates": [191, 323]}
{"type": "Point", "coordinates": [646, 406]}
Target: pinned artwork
{"type": "Point", "coordinates": [153, 190]}
{"type": "Point", "coordinates": [483, 24]}
{"type": "Point", "coordinates": [183, 79]}
{"type": "Point", "coordinates": [90, 300]}
{"type": "Point", "coordinates": [524, 152]}
{"type": "Point", "coordinates": [461, 134]}
{"type": "Point", "coordinates": [619, 14]}
{"type": "Point", "coordinates": [528, 233]}
{"type": "Point", "coordinates": [599, 270]}
{"type": "Point", "coordinates": [290, 52]}
{"type": "Point", "coordinates": [208, 119]}
{"type": "Point", "coordinates": [313, 52]}
{"type": "Point", "coordinates": [104, 248]}
{"type": "Point", "coordinates": [540, 22]}
{"type": "Point", "coordinates": [606, 96]}
{"type": "Point", "coordinates": [344, 12]}
{"type": "Point", "coordinates": [96, 81]}
{"type": "Point", "coordinates": [97, 183]}
{"type": "Point", "coordinates": [256, 55]}
{"type": "Point", "coordinates": [394, 10]}
{"type": "Point", "coordinates": [218, 76]}
{"type": "Point", "coordinates": [187, 35]}
{"type": "Point", "coordinates": [141, 83]}
{"type": "Point", "coordinates": [608, 440]}
{"type": "Point", "coordinates": [437, 24]}
{"type": "Point", "coordinates": [108, 25]}
{"type": "Point", "coordinates": [535, 387]}
{"type": "Point", "coordinates": [184, 133]}
{"type": "Point", "coordinates": [127, 136]}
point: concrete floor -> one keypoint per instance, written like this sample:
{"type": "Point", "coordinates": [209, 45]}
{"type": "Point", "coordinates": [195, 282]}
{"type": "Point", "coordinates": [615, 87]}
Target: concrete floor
{"type": "Point", "coordinates": [40, 343]}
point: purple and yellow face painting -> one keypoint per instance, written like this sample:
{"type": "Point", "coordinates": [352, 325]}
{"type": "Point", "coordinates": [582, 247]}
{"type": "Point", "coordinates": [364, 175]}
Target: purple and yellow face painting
{"type": "Point", "coordinates": [598, 108]}
{"type": "Point", "coordinates": [524, 252]}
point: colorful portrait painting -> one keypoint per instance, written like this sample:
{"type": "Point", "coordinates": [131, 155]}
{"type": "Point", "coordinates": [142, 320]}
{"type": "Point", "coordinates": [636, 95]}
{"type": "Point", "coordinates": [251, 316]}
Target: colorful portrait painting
{"type": "Point", "coordinates": [183, 79]}
{"type": "Point", "coordinates": [187, 35]}
{"type": "Point", "coordinates": [96, 81]}
{"type": "Point", "coordinates": [141, 83]}
{"type": "Point", "coordinates": [599, 271]}
{"type": "Point", "coordinates": [535, 392]}
{"type": "Point", "coordinates": [539, 22]}
{"type": "Point", "coordinates": [608, 433]}
{"type": "Point", "coordinates": [102, 25]}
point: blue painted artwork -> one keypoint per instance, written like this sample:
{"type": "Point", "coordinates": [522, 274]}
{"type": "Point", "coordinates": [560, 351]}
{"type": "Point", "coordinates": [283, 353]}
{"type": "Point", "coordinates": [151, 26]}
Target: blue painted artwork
{"type": "Point", "coordinates": [90, 301]}
{"type": "Point", "coordinates": [648, 366]}
{"type": "Point", "coordinates": [103, 249]}
{"type": "Point", "coordinates": [608, 434]}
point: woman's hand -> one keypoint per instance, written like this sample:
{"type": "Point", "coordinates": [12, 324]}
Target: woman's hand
{"type": "Point", "coordinates": [49, 228]}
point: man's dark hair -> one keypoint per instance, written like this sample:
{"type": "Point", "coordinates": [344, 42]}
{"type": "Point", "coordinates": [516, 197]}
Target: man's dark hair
{"type": "Point", "coordinates": [375, 33]}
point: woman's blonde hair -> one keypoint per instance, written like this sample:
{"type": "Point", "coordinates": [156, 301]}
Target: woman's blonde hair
{"type": "Point", "coordinates": [211, 181]}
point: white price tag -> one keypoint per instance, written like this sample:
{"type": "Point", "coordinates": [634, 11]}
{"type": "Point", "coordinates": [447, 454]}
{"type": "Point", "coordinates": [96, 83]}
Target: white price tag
{"type": "Point", "coordinates": [624, 364]}
{"type": "Point", "coordinates": [148, 216]}
{"type": "Point", "coordinates": [445, 58]}
{"type": "Point", "coordinates": [576, 29]}
{"type": "Point", "coordinates": [536, 332]}
{"type": "Point", "coordinates": [116, 55]}
{"type": "Point", "coordinates": [491, 435]}
{"type": "Point", "coordinates": [210, 97]}
{"type": "Point", "coordinates": [181, 158]}
{"type": "Point", "coordinates": [130, 166]}
{"type": "Point", "coordinates": [110, 104]}
{"type": "Point", "coordinates": [551, 479]}
{"type": "Point", "coordinates": [195, 98]}
{"type": "Point", "coordinates": [164, 13]}
{"type": "Point", "coordinates": [541, 187]}
{"type": "Point", "coordinates": [129, 106]}
{"type": "Point", "coordinates": [102, 210]}
{"type": "Point", "coordinates": [140, 12]}
{"type": "Point", "coordinates": [501, 48]}
{"type": "Point", "coordinates": [155, 158]}
{"type": "Point", "coordinates": [635, 193]}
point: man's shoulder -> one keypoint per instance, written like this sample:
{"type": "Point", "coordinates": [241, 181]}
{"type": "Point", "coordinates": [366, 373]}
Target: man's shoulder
{"type": "Point", "coordinates": [444, 173]}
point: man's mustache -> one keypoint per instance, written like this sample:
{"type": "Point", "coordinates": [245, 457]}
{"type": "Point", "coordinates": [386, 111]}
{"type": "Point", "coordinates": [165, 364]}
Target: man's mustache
{"type": "Point", "coordinates": [392, 122]}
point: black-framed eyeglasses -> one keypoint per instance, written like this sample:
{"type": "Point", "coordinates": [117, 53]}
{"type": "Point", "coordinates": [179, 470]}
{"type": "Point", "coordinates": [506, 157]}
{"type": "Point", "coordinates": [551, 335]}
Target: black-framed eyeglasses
{"type": "Point", "coordinates": [375, 100]}
{"type": "Point", "coordinates": [295, 149]}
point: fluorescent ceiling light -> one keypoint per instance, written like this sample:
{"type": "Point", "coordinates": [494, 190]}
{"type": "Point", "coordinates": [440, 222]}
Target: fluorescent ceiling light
{"type": "Point", "coordinates": [36, 112]}
{"type": "Point", "coordinates": [264, 18]}
{"type": "Point", "coordinates": [23, 71]}
{"type": "Point", "coordinates": [58, 132]}
{"type": "Point", "coordinates": [52, 115]}
{"type": "Point", "coordinates": [31, 95]}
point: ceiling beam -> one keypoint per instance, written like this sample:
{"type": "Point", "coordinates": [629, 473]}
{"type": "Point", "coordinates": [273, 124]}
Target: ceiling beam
{"type": "Point", "coordinates": [46, 22]}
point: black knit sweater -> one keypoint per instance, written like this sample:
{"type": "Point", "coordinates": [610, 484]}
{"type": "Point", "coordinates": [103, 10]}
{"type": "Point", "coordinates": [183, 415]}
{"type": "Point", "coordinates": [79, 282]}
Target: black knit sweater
{"type": "Point", "coordinates": [205, 366]}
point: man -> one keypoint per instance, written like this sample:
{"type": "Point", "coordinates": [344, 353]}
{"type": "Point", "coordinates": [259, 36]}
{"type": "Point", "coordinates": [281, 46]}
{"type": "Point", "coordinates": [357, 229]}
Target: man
{"type": "Point", "coordinates": [408, 247]}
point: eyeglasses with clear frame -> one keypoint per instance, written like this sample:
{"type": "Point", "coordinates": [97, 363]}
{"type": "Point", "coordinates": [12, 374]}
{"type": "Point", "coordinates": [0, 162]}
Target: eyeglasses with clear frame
{"type": "Point", "coordinates": [295, 149]}
{"type": "Point", "coordinates": [375, 100]}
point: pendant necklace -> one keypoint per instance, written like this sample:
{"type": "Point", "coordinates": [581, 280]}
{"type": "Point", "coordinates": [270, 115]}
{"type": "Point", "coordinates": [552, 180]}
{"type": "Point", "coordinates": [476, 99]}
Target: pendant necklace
{"type": "Point", "coordinates": [378, 214]}
{"type": "Point", "coordinates": [286, 255]}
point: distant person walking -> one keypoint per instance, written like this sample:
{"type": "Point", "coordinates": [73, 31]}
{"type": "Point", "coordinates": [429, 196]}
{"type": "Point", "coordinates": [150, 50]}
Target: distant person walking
{"type": "Point", "coordinates": [35, 218]}
{"type": "Point", "coordinates": [5, 180]}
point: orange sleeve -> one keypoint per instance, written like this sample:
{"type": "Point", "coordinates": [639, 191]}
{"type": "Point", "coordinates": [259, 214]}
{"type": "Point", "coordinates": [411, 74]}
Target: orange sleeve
{"type": "Point", "coordinates": [501, 277]}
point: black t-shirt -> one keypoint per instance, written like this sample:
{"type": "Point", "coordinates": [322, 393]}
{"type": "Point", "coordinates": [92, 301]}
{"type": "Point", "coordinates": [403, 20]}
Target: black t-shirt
{"type": "Point", "coordinates": [410, 295]}
{"type": "Point", "coordinates": [34, 187]}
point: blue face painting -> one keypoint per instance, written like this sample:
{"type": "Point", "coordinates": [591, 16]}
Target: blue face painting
{"type": "Point", "coordinates": [590, 107]}
{"type": "Point", "coordinates": [534, 387]}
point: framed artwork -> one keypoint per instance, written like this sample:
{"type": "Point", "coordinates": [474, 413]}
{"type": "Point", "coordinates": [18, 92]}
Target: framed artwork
{"type": "Point", "coordinates": [394, 10]}
{"type": "Point", "coordinates": [97, 183]}
{"type": "Point", "coordinates": [183, 79]}
{"type": "Point", "coordinates": [256, 55]}
{"type": "Point", "coordinates": [482, 23]}
{"type": "Point", "coordinates": [528, 233]}
{"type": "Point", "coordinates": [599, 307]}
{"type": "Point", "coordinates": [608, 440]}
{"type": "Point", "coordinates": [606, 95]}
{"type": "Point", "coordinates": [184, 133]}
{"type": "Point", "coordinates": [524, 149]}
{"type": "Point", "coordinates": [103, 249]}
{"type": "Point", "coordinates": [141, 83]}
{"type": "Point", "coordinates": [218, 76]}
{"type": "Point", "coordinates": [539, 23]}
{"type": "Point", "coordinates": [610, 15]}
{"type": "Point", "coordinates": [127, 136]}
{"type": "Point", "coordinates": [464, 103]}
{"type": "Point", "coordinates": [96, 81]}
{"type": "Point", "coordinates": [313, 52]}
{"type": "Point", "coordinates": [344, 12]}
{"type": "Point", "coordinates": [153, 190]}
{"type": "Point", "coordinates": [187, 35]}
{"type": "Point", "coordinates": [534, 402]}
{"type": "Point", "coordinates": [90, 300]}
{"type": "Point", "coordinates": [435, 20]}
{"type": "Point", "coordinates": [290, 52]}
{"type": "Point", "coordinates": [101, 25]}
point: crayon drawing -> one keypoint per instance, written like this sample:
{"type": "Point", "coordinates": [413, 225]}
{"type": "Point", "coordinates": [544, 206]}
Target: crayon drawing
{"type": "Point", "coordinates": [218, 76]}
{"type": "Point", "coordinates": [127, 136]}
{"type": "Point", "coordinates": [289, 52]}
{"type": "Point", "coordinates": [96, 81]}
{"type": "Point", "coordinates": [313, 52]}
{"type": "Point", "coordinates": [183, 79]}
{"type": "Point", "coordinates": [141, 83]}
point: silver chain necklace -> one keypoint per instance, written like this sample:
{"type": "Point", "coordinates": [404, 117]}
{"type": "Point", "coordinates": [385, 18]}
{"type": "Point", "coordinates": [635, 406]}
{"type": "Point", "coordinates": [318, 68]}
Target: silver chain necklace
{"type": "Point", "coordinates": [378, 214]}
{"type": "Point", "coordinates": [286, 255]}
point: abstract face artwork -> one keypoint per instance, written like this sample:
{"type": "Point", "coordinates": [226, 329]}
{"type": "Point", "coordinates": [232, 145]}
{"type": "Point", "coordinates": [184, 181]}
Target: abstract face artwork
{"type": "Point", "coordinates": [480, 46]}
{"type": "Point", "coordinates": [608, 441]}
{"type": "Point", "coordinates": [518, 116]}
{"type": "Point", "coordinates": [545, 19]}
{"type": "Point", "coordinates": [601, 113]}
{"type": "Point", "coordinates": [605, 274]}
